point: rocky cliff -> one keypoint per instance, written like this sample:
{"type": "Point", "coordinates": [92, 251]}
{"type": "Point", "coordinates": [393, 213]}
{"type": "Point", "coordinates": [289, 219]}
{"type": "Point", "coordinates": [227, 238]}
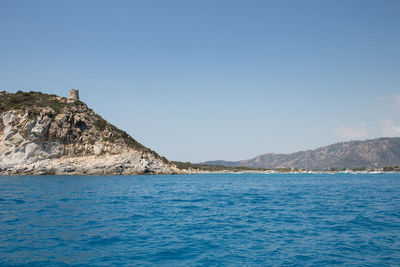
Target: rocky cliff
{"type": "Point", "coordinates": [48, 134]}
{"type": "Point", "coordinates": [372, 153]}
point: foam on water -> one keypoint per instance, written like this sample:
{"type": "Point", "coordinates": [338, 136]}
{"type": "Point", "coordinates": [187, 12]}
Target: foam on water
{"type": "Point", "coordinates": [224, 219]}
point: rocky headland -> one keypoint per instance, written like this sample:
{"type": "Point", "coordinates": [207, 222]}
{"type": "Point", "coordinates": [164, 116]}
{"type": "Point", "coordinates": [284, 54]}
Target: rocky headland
{"type": "Point", "coordinates": [48, 134]}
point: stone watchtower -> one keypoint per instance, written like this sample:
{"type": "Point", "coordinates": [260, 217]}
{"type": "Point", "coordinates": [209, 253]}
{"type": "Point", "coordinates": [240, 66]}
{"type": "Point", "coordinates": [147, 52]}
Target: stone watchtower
{"type": "Point", "coordinates": [73, 94]}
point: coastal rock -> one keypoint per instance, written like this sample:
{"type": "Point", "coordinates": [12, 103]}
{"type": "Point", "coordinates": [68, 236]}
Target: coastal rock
{"type": "Point", "coordinates": [46, 134]}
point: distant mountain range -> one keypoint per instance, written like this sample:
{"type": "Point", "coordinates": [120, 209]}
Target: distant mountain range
{"type": "Point", "coordinates": [378, 152]}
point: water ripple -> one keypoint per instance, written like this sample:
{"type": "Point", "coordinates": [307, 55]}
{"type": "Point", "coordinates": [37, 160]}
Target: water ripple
{"type": "Point", "coordinates": [245, 219]}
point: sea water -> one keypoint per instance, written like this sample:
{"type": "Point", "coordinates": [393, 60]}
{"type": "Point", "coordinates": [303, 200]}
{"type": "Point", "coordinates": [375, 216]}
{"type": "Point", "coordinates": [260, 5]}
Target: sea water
{"type": "Point", "coordinates": [208, 219]}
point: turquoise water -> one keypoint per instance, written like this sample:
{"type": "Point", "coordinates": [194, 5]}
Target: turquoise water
{"type": "Point", "coordinates": [223, 219]}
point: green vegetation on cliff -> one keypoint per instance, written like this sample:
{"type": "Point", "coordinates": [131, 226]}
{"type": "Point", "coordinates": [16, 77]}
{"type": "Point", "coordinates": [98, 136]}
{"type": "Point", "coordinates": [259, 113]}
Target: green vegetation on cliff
{"type": "Point", "coordinates": [29, 101]}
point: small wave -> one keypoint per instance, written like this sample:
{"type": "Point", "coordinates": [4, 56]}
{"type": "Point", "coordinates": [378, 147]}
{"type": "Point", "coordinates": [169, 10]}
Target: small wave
{"type": "Point", "coordinates": [189, 207]}
{"type": "Point", "coordinates": [18, 201]}
{"type": "Point", "coordinates": [90, 223]}
{"type": "Point", "coordinates": [189, 200]}
{"type": "Point", "coordinates": [103, 241]}
{"type": "Point", "coordinates": [115, 202]}
{"type": "Point", "coordinates": [137, 216]}
{"type": "Point", "coordinates": [11, 220]}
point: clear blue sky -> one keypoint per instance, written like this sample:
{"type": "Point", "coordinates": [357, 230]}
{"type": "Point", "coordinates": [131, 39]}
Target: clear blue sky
{"type": "Point", "coordinates": [204, 80]}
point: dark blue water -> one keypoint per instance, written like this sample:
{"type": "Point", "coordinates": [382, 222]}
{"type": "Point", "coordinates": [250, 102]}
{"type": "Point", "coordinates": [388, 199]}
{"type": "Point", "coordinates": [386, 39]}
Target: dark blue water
{"type": "Point", "coordinates": [232, 219]}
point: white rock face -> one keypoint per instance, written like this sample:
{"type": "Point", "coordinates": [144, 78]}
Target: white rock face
{"type": "Point", "coordinates": [125, 164]}
{"type": "Point", "coordinates": [68, 143]}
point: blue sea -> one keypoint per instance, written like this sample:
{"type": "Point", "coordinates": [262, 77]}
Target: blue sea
{"type": "Point", "coordinates": [201, 220]}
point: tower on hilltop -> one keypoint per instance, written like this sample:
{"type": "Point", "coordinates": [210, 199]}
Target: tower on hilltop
{"type": "Point", "coordinates": [73, 94]}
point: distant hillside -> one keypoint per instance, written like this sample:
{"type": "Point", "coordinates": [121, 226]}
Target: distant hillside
{"type": "Point", "coordinates": [378, 152]}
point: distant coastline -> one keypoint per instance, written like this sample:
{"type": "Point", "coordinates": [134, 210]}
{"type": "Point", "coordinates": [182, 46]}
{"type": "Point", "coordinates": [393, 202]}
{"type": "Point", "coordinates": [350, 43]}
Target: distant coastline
{"type": "Point", "coordinates": [190, 168]}
{"type": "Point", "coordinates": [293, 172]}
